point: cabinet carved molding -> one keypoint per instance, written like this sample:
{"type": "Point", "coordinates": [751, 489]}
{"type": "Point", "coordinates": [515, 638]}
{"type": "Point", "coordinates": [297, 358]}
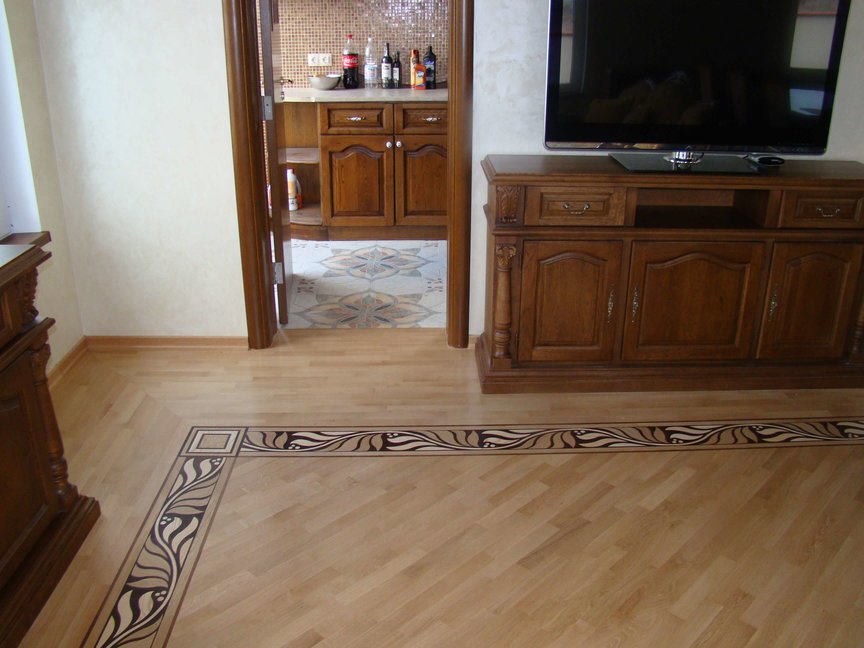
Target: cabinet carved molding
{"type": "Point", "coordinates": [725, 281]}
{"type": "Point", "coordinates": [503, 267]}
{"type": "Point", "coordinates": [509, 202]}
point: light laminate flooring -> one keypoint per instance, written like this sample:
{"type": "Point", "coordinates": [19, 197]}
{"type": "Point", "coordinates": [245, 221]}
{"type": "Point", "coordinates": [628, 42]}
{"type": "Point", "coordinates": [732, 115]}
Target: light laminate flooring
{"type": "Point", "coordinates": [716, 548]}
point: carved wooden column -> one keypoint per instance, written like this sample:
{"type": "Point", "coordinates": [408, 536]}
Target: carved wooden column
{"type": "Point", "coordinates": [503, 300]}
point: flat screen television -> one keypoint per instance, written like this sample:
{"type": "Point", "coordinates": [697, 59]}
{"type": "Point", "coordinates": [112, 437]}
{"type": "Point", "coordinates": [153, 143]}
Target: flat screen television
{"type": "Point", "coordinates": [691, 78]}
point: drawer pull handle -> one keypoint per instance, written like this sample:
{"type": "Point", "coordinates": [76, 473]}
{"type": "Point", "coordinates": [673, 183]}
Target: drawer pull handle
{"type": "Point", "coordinates": [586, 207]}
{"type": "Point", "coordinates": [432, 119]}
{"type": "Point", "coordinates": [355, 118]}
{"type": "Point", "coordinates": [610, 306]}
{"type": "Point", "coordinates": [635, 308]}
{"type": "Point", "coordinates": [836, 212]}
{"type": "Point", "coordinates": [773, 304]}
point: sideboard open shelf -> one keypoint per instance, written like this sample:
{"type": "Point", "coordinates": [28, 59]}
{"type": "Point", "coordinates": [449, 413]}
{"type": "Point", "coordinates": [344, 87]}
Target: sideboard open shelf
{"type": "Point", "coordinates": [602, 279]}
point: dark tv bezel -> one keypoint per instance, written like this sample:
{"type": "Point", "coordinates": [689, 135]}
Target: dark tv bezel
{"type": "Point", "coordinates": [555, 141]}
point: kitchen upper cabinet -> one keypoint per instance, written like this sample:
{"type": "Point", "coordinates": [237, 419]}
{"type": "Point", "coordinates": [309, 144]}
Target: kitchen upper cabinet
{"type": "Point", "coordinates": [569, 304]}
{"type": "Point", "coordinates": [692, 300]}
{"type": "Point", "coordinates": [808, 313]}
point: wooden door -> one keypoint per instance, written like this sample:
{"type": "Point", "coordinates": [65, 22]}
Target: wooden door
{"type": "Point", "coordinates": [808, 310]}
{"type": "Point", "coordinates": [357, 180]}
{"type": "Point", "coordinates": [29, 503]}
{"type": "Point", "coordinates": [569, 299]}
{"type": "Point", "coordinates": [421, 180]}
{"type": "Point", "coordinates": [692, 300]}
{"type": "Point", "coordinates": [281, 253]}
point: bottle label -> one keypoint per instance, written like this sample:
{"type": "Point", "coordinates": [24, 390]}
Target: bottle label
{"type": "Point", "coordinates": [397, 76]}
{"type": "Point", "coordinates": [386, 71]}
{"type": "Point", "coordinates": [350, 61]}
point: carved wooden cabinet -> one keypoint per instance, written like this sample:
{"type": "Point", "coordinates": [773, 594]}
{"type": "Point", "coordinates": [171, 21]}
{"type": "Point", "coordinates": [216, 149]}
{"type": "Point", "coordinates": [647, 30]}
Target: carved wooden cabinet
{"type": "Point", "coordinates": [43, 519]}
{"type": "Point", "coordinates": [383, 164]}
{"type": "Point", "coordinates": [600, 279]}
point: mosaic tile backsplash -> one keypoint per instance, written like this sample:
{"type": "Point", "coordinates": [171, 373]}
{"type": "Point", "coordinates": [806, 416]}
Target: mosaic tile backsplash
{"type": "Point", "coordinates": [320, 26]}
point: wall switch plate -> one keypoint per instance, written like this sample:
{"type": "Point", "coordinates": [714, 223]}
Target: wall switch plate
{"type": "Point", "coordinates": [319, 60]}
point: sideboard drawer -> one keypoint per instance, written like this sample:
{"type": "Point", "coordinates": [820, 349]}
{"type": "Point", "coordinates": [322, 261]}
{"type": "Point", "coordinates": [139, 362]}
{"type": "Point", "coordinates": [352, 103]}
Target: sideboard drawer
{"type": "Point", "coordinates": [562, 206]}
{"type": "Point", "coordinates": [350, 119]}
{"type": "Point", "coordinates": [820, 209]}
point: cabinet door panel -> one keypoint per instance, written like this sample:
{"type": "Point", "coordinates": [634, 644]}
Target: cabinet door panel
{"type": "Point", "coordinates": [357, 180]}
{"type": "Point", "coordinates": [28, 503]}
{"type": "Point", "coordinates": [568, 309]}
{"type": "Point", "coordinates": [692, 301]}
{"type": "Point", "coordinates": [811, 294]}
{"type": "Point", "coordinates": [421, 180]}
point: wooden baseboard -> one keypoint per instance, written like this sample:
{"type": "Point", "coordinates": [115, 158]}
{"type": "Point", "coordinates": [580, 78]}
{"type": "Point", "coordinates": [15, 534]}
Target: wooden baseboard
{"type": "Point", "coordinates": [65, 364]}
{"type": "Point", "coordinates": [105, 342]}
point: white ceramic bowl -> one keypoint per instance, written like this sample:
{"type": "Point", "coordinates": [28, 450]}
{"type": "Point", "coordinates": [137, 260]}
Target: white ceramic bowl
{"type": "Point", "coordinates": [325, 82]}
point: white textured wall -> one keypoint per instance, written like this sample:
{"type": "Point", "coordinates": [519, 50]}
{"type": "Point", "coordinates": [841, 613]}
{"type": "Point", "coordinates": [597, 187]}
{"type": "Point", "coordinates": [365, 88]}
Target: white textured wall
{"type": "Point", "coordinates": [509, 95]}
{"type": "Point", "coordinates": [56, 295]}
{"type": "Point", "coordinates": [139, 108]}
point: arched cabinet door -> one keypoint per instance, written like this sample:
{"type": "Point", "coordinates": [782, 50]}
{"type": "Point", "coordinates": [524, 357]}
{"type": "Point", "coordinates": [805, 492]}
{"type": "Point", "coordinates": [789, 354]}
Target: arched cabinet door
{"type": "Point", "coordinates": [811, 294]}
{"type": "Point", "coordinates": [357, 180]}
{"type": "Point", "coordinates": [570, 296]}
{"type": "Point", "coordinates": [692, 300]}
{"type": "Point", "coordinates": [421, 179]}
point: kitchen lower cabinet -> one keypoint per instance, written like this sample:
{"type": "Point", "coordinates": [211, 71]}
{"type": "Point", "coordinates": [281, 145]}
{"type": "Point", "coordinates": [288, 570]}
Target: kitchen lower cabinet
{"type": "Point", "coordinates": [357, 180]}
{"type": "Point", "coordinates": [598, 279]}
{"type": "Point", "coordinates": [421, 180]}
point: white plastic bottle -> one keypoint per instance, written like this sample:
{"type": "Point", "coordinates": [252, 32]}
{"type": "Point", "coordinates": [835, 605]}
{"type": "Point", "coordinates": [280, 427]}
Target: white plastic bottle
{"type": "Point", "coordinates": [293, 191]}
{"type": "Point", "coordinates": [370, 65]}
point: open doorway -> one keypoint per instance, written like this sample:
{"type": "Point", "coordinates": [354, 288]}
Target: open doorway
{"type": "Point", "coordinates": [355, 164]}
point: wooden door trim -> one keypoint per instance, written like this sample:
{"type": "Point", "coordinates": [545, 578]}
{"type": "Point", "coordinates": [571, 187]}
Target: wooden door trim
{"type": "Point", "coordinates": [242, 63]}
{"type": "Point", "coordinates": [241, 53]}
{"type": "Point", "coordinates": [459, 152]}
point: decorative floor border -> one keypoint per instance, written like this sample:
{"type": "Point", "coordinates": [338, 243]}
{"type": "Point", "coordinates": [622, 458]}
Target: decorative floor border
{"type": "Point", "coordinates": [141, 606]}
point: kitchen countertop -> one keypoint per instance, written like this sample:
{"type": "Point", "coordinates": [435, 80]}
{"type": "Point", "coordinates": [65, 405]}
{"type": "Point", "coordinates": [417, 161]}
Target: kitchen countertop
{"type": "Point", "coordinates": [303, 95]}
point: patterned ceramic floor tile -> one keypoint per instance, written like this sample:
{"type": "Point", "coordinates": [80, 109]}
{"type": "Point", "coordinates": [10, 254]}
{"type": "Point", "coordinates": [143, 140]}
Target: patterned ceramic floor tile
{"type": "Point", "coordinates": [368, 284]}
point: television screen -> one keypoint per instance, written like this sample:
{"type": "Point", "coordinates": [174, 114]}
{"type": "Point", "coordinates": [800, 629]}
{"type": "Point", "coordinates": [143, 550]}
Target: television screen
{"type": "Point", "coordinates": [702, 75]}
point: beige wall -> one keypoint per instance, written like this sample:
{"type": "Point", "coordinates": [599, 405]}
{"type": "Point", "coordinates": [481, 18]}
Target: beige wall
{"type": "Point", "coordinates": [56, 296]}
{"type": "Point", "coordinates": [510, 36]}
{"type": "Point", "coordinates": [139, 112]}
{"type": "Point", "coordinates": [139, 108]}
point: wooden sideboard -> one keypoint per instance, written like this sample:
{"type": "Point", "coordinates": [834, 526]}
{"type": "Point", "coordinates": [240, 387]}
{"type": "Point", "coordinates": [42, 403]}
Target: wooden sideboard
{"type": "Point", "coordinates": [602, 279]}
{"type": "Point", "coordinates": [43, 519]}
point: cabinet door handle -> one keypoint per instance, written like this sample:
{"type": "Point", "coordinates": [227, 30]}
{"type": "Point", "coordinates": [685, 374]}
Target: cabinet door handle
{"type": "Point", "coordinates": [355, 118]}
{"type": "Point", "coordinates": [389, 144]}
{"type": "Point", "coordinates": [573, 212]}
{"type": "Point", "coordinates": [635, 305]}
{"type": "Point", "coordinates": [610, 306]}
{"type": "Point", "coordinates": [833, 214]}
{"type": "Point", "coordinates": [773, 304]}
{"type": "Point", "coordinates": [432, 119]}
{"type": "Point", "coordinates": [398, 144]}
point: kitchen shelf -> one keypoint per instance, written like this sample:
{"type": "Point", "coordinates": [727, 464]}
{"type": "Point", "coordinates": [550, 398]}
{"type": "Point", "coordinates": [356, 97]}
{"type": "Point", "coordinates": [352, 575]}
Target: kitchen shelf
{"type": "Point", "coordinates": [308, 155]}
{"type": "Point", "coordinates": [308, 215]}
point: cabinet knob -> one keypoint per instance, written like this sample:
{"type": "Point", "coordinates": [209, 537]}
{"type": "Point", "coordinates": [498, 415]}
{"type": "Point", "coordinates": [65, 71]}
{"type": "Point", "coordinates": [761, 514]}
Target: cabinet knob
{"type": "Point", "coordinates": [822, 213]}
{"type": "Point", "coordinates": [398, 144]}
{"type": "Point", "coordinates": [389, 144]}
